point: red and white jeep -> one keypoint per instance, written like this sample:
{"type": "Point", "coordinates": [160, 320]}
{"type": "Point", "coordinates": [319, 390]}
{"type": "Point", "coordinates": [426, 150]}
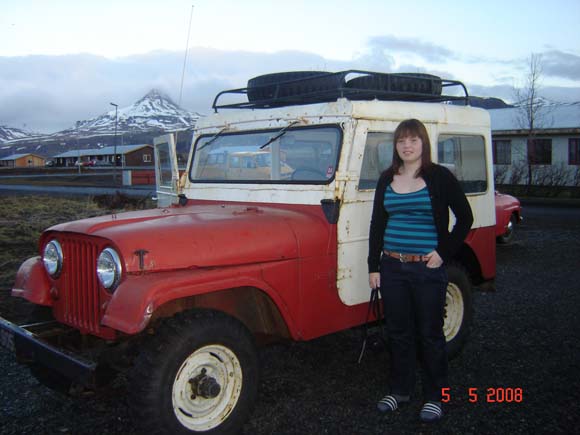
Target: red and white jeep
{"type": "Point", "coordinates": [264, 237]}
{"type": "Point", "coordinates": [508, 213]}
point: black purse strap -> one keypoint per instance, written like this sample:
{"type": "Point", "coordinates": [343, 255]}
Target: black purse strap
{"type": "Point", "coordinates": [376, 308]}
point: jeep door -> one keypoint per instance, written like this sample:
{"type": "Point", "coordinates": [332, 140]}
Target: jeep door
{"type": "Point", "coordinates": [462, 147]}
{"type": "Point", "coordinates": [371, 153]}
{"type": "Point", "coordinates": [166, 172]}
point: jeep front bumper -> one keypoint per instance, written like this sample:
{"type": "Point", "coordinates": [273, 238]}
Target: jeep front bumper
{"type": "Point", "coordinates": [27, 343]}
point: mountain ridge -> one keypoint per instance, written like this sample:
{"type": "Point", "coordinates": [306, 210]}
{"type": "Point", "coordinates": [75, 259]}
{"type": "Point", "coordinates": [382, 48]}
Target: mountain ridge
{"type": "Point", "coordinates": [8, 133]}
{"type": "Point", "coordinates": [153, 114]}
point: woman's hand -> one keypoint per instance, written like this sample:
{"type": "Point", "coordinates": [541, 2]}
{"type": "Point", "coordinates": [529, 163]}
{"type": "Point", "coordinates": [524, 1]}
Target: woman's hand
{"type": "Point", "coordinates": [374, 280]}
{"type": "Point", "coordinates": [433, 260]}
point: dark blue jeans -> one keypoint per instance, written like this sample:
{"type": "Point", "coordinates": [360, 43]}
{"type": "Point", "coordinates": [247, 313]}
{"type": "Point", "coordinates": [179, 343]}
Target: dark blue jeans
{"type": "Point", "coordinates": [414, 300]}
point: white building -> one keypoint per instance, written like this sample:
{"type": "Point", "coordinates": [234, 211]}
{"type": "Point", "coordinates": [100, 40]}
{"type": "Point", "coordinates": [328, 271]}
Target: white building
{"type": "Point", "coordinates": [553, 151]}
{"type": "Point", "coordinates": [125, 155]}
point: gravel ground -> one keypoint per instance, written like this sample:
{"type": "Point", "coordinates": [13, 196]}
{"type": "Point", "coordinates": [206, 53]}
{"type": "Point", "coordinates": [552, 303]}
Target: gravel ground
{"type": "Point", "coordinates": [525, 335]}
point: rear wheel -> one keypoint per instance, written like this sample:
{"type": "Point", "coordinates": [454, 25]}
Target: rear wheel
{"type": "Point", "coordinates": [458, 309]}
{"type": "Point", "coordinates": [198, 374]}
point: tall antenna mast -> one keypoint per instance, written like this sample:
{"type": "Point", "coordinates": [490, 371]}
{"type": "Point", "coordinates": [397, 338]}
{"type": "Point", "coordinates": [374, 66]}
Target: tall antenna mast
{"type": "Point", "coordinates": [185, 57]}
{"type": "Point", "coordinates": [181, 85]}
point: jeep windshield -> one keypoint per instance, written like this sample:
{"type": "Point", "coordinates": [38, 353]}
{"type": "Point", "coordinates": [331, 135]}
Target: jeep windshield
{"type": "Point", "coordinates": [303, 155]}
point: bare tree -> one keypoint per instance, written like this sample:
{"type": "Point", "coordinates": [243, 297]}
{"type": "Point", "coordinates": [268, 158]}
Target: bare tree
{"type": "Point", "coordinates": [532, 113]}
{"type": "Point", "coordinates": [500, 174]}
{"type": "Point", "coordinates": [552, 175]}
{"type": "Point", "coordinates": [576, 178]}
{"type": "Point", "coordinates": [517, 173]}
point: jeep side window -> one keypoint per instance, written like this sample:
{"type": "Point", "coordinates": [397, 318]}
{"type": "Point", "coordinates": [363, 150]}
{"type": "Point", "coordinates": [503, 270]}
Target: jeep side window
{"type": "Point", "coordinates": [377, 157]}
{"type": "Point", "coordinates": [464, 155]}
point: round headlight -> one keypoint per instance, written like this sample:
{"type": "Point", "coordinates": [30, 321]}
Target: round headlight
{"type": "Point", "coordinates": [109, 269]}
{"type": "Point", "coordinates": [52, 258]}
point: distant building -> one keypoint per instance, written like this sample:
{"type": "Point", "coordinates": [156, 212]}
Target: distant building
{"type": "Point", "coordinates": [553, 151]}
{"type": "Point", "coordinates": [22, 161]}
{"type": "Point", "coordinates": [126, 155]}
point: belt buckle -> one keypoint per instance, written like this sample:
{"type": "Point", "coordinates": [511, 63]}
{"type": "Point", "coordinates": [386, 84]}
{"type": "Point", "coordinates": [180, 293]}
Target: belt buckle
{"type": "Point", "coordinates": [401, 258]}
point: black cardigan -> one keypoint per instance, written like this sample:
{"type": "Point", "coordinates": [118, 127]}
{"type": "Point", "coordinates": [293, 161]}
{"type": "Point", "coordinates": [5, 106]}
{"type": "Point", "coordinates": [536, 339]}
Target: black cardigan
{"type": "Point", "coordinates": [445, 192]}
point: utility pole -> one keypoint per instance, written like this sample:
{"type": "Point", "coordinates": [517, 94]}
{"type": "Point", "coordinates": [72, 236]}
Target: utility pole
{"type": "Point", "coordinates": [78, 147]}
{"type": "Point", "coordinates": [115, 146]}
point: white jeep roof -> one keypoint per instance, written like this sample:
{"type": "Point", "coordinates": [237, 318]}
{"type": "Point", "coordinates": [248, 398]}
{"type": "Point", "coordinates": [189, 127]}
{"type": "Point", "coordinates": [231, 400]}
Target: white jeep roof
{"type": "Point", "coordinates": [321, 113]}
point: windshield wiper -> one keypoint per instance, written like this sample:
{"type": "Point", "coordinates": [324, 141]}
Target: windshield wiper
{"type": "Point", "coordinates": [279, 134]}
{"type": "Point", "coordinates": [213, 139]}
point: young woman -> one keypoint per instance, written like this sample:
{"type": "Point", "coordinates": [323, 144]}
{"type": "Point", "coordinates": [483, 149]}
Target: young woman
{"type": "Point", "coordinates": [409, 244]}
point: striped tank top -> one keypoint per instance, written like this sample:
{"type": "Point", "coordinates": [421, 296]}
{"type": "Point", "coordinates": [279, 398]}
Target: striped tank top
{"type": "Point", "coordinates": [410, 228]}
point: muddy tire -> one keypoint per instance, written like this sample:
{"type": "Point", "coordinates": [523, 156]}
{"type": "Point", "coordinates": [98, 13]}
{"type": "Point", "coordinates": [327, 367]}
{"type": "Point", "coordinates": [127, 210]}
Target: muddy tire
{"type": "Point", "coordinates": [458, 309]}
{"type": "Point", "coordinates": [197, 374]}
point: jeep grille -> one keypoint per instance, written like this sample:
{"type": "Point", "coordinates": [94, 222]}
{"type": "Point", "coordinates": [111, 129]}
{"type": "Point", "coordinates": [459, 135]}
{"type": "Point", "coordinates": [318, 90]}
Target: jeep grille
{"type": "Point", "coordinates": [78, 304]}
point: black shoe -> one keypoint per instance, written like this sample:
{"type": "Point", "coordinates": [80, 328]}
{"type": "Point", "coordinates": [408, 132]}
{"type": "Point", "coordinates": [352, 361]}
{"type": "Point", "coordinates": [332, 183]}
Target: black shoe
{"type": "Point", "coordinates": [390, 403]}
{"type": "Point", "coordinates": [431, 412]}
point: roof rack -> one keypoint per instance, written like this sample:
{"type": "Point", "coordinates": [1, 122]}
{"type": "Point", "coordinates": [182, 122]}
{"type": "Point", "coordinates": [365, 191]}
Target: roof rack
{"type": "Point", "coordinates": [309, 87]}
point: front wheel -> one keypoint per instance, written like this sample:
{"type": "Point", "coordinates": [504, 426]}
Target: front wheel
{"type": "Point", "coordinates": [198, 374]}
{"type": "Point", "coordinates": [508, 237]}
{"type": "Point", "coordinates": [458, 309]}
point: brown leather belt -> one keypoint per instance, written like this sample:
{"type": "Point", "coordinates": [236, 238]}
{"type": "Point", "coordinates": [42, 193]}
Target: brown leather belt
{"type": "Point", "coordinates": [405, 258]}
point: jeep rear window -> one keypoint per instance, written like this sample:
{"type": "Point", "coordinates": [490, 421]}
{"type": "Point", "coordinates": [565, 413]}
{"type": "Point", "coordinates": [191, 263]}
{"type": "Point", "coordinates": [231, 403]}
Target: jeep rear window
{"type": "Point", "coordinates": [377, 157]}
{"type": "Point", "coordinates": [306, 155]}
{"type": "Point", "coordinates": [464, 155]}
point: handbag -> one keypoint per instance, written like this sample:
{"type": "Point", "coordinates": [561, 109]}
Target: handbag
{"type": "Point", "coordinates": [375, 307]}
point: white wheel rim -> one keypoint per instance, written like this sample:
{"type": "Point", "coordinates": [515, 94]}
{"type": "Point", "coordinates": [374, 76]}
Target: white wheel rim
{"type": "Point", "coordinates": [200, 413]}
{"type": "Point", "coordinates": [454, 309]}
{"type": "Point", "coordinates": [509, 229]}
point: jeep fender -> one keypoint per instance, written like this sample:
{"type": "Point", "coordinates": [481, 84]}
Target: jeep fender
{"type": "Point", "coordinates": [478, 253]}
{"type": "Point", "coordinates": [32, 282]}
{"type": "Point", "coordinates": [139, 297]}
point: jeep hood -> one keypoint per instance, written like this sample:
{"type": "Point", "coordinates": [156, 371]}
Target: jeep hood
{"type": "Point", "coordinates": [211, 235]}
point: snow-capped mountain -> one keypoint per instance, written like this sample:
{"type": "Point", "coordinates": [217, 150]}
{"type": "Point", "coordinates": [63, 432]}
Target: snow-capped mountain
{"type": "Point", "coordinates": [140, 122]}
{"type": "Point", "coordinates": [11, 133]}
{"type": "Point", "coordinates": [154, 111]}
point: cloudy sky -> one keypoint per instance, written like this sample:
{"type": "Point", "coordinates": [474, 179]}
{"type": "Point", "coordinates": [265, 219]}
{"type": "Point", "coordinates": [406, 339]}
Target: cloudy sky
{"type": "Point", "coordinates": [66, 60]}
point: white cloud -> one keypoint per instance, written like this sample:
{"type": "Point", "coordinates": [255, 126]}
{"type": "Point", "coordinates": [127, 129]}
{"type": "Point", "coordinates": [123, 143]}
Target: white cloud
{"type": "Point", "coordinates": [50, 93]}
{"type": "Point", "coordinates": [412, 46]}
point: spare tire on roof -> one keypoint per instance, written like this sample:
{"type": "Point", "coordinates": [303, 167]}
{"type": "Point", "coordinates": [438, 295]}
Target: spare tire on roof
{"type": "Point", "coordinates": [307, 85]}
{"type": "Point", "coordinates": [391, 86]}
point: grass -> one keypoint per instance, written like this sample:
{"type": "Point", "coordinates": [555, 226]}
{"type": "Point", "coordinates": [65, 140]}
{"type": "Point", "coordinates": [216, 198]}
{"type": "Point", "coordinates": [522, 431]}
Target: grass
{"type": "Point", "coordinates": [91, 179]}
{"type": "Point", "coordinates": [24, 217]}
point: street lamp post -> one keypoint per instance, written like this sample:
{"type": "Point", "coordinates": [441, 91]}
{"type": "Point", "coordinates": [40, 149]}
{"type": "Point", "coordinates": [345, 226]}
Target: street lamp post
{"type": "Point", "coordinates": [115, 146]}
{"type": "Point", "coordinates": [78, 147]}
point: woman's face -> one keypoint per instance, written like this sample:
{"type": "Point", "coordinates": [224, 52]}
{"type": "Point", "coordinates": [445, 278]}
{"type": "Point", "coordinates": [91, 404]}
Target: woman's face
{"type": "Point", "coordinates": [410, 148]}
